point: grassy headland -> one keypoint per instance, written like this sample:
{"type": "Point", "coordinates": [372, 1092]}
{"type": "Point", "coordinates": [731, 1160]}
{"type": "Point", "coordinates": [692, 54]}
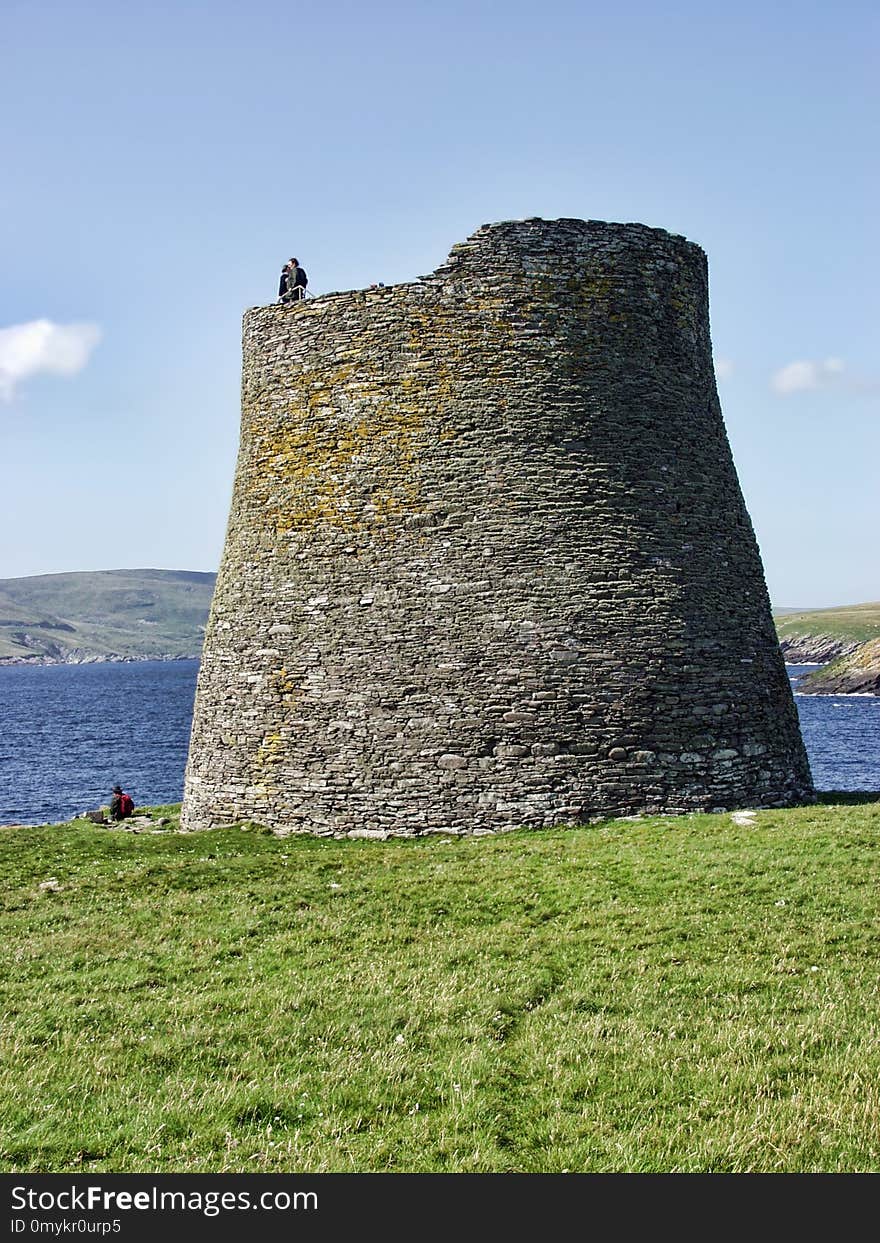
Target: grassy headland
{"type": "Point", "coordinates": [105, 615]}
{"type": "Point", "coordinates": [856, 673]}
{"type": "Point", "coordinates": [838, 629]}
{"type": "Point", "coordinates": [847, 638]}
{"type": "Point", "coordinates": [669, 994]}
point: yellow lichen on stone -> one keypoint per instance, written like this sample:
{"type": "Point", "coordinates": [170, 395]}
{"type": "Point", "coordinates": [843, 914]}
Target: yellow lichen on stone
{"type": "Point", "coordinates": [269, 753]}
{"type": "Point", "coordinates": [345, 459]}
{"type": "Point", "coordinates": [284, 684]}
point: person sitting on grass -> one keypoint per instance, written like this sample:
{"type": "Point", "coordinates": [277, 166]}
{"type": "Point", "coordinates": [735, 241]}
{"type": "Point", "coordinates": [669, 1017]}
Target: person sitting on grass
{"type": "Point", "coordinates": [121, 804]}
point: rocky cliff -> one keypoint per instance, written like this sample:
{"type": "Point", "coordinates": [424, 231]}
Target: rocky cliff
{"type": "Point", "coordinates": [846, 640]}
{"type": "Point", "coordinates": [856, 673]}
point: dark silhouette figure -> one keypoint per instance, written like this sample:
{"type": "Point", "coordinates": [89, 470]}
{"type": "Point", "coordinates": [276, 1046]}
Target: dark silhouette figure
{"type": "Point", "coordinates": [293, 282]}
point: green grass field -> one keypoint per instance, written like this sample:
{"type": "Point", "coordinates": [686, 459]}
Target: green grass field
{"type": "Point", "coordinates": [857, 622]}
{"type": "Point", "coordinates": [668, 994]}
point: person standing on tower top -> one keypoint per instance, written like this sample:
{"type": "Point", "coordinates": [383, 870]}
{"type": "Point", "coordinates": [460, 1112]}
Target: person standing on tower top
{"type": "Point", "coordinates": [292, 286]}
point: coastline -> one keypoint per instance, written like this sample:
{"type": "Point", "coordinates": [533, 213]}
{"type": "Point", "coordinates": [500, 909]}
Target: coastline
{"type": "Point", "coordinates": [103, 659]}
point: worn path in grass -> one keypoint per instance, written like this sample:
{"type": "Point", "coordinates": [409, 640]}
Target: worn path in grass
{"type": "Point", "coordinates": [670, 994]}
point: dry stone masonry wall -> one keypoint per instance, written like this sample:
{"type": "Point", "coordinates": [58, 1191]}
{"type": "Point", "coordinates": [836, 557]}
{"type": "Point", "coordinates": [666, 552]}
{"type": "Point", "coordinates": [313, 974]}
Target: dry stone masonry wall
{"type": "Point", "coordinates": [488, 562]}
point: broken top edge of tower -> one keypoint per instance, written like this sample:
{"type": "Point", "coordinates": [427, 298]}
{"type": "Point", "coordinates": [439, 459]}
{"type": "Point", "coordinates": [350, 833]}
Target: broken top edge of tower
{"type": "Point", "coordinates": [527, 235]}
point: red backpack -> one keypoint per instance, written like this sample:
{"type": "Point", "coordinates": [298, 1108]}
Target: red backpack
{"type": "Point", "coordinates": [126, 805]}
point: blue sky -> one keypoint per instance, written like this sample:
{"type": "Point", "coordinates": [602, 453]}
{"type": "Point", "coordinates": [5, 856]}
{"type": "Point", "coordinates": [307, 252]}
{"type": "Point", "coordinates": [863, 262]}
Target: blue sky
{"type": "Point", "coordinates": [161, 161]}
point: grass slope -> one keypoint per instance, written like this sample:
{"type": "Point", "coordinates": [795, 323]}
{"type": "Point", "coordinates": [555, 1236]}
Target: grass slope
{"type": "Point", "coordinates": [849, 638]}
{"type": "Point", "coordinates": [671, 994]}
{"type": "Point", "coordinates": [855, 623]}
{"type": "Point", "coordinates": [115, 613]}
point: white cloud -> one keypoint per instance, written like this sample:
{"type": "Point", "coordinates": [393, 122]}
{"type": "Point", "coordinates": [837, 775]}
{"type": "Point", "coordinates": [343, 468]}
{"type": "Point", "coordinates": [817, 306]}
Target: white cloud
{"type": "Point", "coordinates": [26, 349]}
{"type": "Point", "coordinates": [723, 368]}
{"type": "Point", "coordinates": [803, 376]}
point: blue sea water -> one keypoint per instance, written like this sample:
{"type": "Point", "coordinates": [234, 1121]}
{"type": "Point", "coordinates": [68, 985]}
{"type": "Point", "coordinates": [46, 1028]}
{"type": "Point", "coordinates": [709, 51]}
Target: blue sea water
{"type": "Point", "coordinates": [68, 733]}
{"type": "Point", "coordinates": [842, 737]}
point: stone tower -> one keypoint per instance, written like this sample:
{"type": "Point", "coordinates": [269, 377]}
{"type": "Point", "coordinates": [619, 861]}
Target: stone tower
{"type": "Point", "coordinates": [488, 562]}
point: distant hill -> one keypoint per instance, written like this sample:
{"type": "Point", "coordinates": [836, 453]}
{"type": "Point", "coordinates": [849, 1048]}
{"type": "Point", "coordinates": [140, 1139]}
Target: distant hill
{"type": "Point", "coordinates": [104, 615]}
{"type": "Point", "coordinates": [845, 640]}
